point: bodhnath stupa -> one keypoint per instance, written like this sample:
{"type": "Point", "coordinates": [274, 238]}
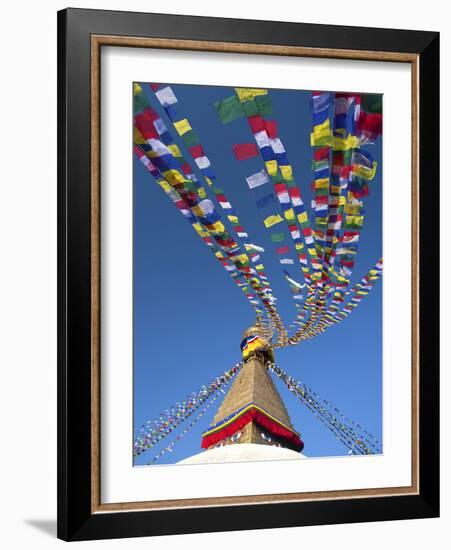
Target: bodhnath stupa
{"type": "Point", "coordinates": [252, 422]}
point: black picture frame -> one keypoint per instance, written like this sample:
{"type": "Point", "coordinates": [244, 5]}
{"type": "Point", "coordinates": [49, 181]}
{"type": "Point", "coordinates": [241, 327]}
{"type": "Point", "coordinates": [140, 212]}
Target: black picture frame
{"type": "Point", "coordinates": [76, 519]}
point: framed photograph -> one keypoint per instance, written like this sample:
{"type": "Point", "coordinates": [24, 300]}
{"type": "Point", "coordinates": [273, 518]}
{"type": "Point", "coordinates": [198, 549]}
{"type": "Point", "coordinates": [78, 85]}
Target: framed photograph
{"type": "Point", "coordinates": [248, 274]}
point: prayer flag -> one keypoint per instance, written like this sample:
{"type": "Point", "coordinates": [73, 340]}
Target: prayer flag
{"type": "Point", "coordinates": [283, 250]}
{"type": "Point", "coordinates": [265, 201]}
{"type": "Point", "coordinates": [272, 220]}
{"type": "Point", "coordinates": [277, 237]}
{"type": "Point", "coordinates": [182, 126]}
{"type": "Point", "coordinates": [229, 109]}
{"type": "Point", "coordinates": [246, 94]}
{"type": "Point", "coordinates": [166, 96]}
{"type": "Point", "coordinates": [258, 179]}
{"type": "Point", "coordinates": [263, 104]}
{"type": "Point", "coordinates": [287, 172]}
{"type": "Point", "coordinates": [271, 128]}
{"type": "Point", "coordinates": [244, 151]}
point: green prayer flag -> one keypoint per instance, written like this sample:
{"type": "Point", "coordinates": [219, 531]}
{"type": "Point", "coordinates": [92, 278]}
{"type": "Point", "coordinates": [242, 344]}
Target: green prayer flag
{"type": "Point", "coordinates": [190, 138]}
{"type": "Point", "coordinates": [250, 108]}
{"type": "Point", "coordinates": [264, 104]}
{"type": "Point", "coordinates": [372, 103]}
{"type": "Point", "coordinates": [277, 237]}
{"type": "Point", "coordinates": [277, 179]}
{"type": "Point", "coordinates": [190, 186]}
{"type": "Point", "coordinates": [139, 102]}
{"type": "Point", "coordinates": [229, 109]}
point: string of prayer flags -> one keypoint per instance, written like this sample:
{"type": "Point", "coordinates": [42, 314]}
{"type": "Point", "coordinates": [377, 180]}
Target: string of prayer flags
{"type": "Point", "coordinates": [183, 207]}
{"type": "Point", "coordinates": [206, 213]}
{"type": "Point", "coordinates": [348, 432]}
{"type": "Point", "coordinates": [342, 171]}
{"type": "Point", "coordinates": [215, 226]}
{"type": "Point", "coordinates": [279, 169]}
{"type": "Point", "coordinates": [338, 310]}
{"type": "Point", "coordinates": [169, 448]}
{"type": "Point", "coordinates": [153, 431]}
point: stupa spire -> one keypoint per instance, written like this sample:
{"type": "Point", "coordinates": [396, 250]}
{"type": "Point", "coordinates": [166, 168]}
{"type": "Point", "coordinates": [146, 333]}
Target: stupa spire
{"type": "Point", "coordinates": [252, 410]}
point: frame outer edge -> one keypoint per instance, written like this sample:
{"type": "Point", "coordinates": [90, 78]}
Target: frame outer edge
{"type": "Point", "coordinates": [429, 176]}
{"type": "Point", "coordinates": [62, 496]}
{"type": "Point", "coordinates": [75, 521]}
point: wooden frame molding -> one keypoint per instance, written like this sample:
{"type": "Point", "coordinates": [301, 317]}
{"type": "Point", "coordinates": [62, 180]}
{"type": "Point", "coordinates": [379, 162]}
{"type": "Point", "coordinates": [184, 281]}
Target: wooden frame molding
{"type": "Point", "coordinates": [97, 41]}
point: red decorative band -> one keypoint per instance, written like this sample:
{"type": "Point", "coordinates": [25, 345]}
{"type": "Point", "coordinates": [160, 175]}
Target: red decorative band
{"type": "Point", "coordinates": [260, 418]}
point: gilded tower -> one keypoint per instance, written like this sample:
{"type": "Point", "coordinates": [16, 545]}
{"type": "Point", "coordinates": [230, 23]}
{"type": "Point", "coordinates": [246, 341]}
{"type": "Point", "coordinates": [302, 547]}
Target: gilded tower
{"type": "Point", "coordinates": [252, 410]}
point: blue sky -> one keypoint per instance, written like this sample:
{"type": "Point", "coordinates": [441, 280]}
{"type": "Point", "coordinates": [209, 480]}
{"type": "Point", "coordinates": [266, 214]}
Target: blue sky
{"type": "Point", "coordinates": [189, 315]}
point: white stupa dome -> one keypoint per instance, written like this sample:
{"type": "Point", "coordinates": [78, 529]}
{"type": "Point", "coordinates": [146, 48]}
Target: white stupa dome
{"type": "Point", "coordinates": [242, 452]}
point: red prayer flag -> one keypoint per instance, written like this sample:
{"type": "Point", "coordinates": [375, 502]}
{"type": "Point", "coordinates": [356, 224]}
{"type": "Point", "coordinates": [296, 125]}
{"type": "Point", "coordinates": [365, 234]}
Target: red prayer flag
{"type": "Point", "coordinates": [282, 250]}
{"type": "Point", "coordinates": [244, 151]}
{"type": "Point", "coordinates": [197, 151]}
{"type": "Point", "coordinates": [321, 154]}
{"type": "Point", "coordinates": [271, 128]}
{"type": "Point", "coordinates": [370, 122]}
{"type": "Point", "coordinates": [280, 188]}
{"type": "Point", "coordinates": [256, 123]}
{"type": "Point", "coordinates": [186, 168]}
{"type": "Point", "coordinates": [143, 122]}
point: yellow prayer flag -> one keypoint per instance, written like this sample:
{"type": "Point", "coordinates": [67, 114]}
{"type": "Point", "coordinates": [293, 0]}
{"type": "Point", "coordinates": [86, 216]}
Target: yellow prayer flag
{"type": "Point", "coordinates": [137, 88]}
{"type": "Point", "coordinates": [246, 94]}
{"type": "Point", "coordinates": [242, 258]}
{"type": "Point", "coordinates": [365, 172]}
{"type": "Point", "coordinates": [289, 215]}
{"type": "Point", "coordinates": [197, 210]}
{"type": "Point", "coordinates": [287, 172]}
{"type": "Point", "coordinates": [174, 177]}
{"type": "Point", "coordinates": [343, 144]}
{"type": "Point", "coordinates": [164, 185]}
{"type": "Point", "coordinates": [353, 209]}
{"type": "Point", "coordinates": [216, 227]}
{"type": "Point", "coordinates": [137, 136]}
{"type": "Point", "coordinates": [233, 219]}
{"type": "Point", "coordinates": [322, 183]}
{"type": "Point", "coordinates": [354, 220]}
{"type": "Point", "coordinates": [322, 127]}
{"type": "Point", "coordinates": [200, 230]}
{"type": "Point", "coordinates": [182, 126]}
{"type": "Point", "coordinates": [322, 134]}
{"type": "Point", "coordinates": [302, 217]}
{"type": "Point", "coordinates": [175, 150]}
{"type": "Point", "coordinates": [271, 167]}
{"type": "Point", "coordinates": [272, 220]}
{"type": "Point", "coordinates": [202, 193]}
